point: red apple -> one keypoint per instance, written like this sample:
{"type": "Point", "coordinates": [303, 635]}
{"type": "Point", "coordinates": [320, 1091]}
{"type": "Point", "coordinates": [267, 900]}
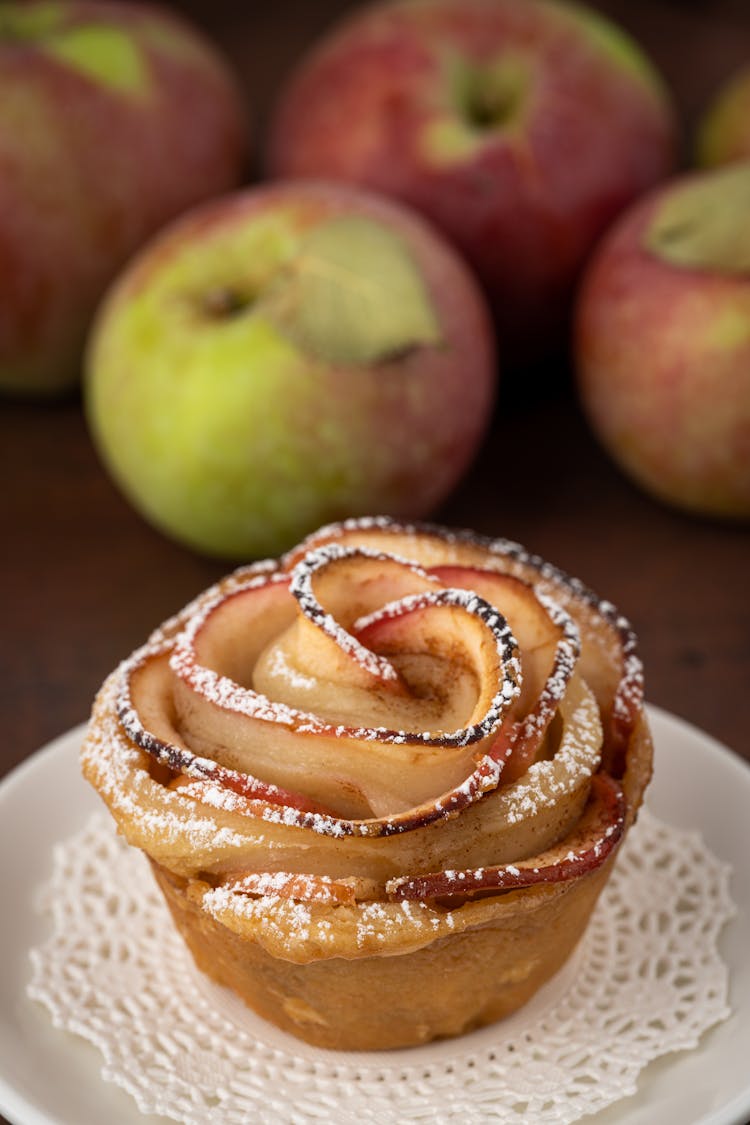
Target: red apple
{"type": "Point", "coordinates": [521, 129]}
{"type": "Point", "coordinates": [724, 129]}
{"type": "Point", "coordinates": [286, 356]}
{"type": "Point", "coordinates": [113, 118]}
{"type": "Point", "coordinates": [663, 342]}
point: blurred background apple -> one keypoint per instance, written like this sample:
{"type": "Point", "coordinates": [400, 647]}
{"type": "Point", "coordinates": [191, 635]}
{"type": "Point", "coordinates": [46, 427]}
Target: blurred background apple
{"type": "Point", "coordinates": [521, 129]}
{"type": "Point", "coordinates": [663, 342]}
{"type": "Point", "coordinates": [724, 130]}
{"type": "Point", "coordinates": [113, 118]}
{"type": "Point", "coordinates": [286, 356]}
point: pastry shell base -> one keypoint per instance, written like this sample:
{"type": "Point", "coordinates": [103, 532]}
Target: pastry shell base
{"type": "Point", "coordinates": [453, 984]}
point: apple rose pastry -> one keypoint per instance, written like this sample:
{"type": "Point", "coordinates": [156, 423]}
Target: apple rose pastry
{"type": "Point", "coordinates": [382, 781]}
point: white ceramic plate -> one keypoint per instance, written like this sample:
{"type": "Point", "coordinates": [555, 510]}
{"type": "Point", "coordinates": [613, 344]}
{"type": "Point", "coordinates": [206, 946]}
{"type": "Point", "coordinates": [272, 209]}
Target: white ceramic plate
{"type": "Point", "coordinates": [50, 1078]}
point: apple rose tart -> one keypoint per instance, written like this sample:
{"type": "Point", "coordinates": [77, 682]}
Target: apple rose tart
{"type": "Point", "coordinates": [382, 781]}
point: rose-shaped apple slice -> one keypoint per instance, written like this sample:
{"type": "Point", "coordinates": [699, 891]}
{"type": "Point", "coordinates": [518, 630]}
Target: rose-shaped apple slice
{"type": "Point", "coordinates": [594, 839]}
{"type": "Point", "coordinates": [608, 660]}
{"type": "Point", "coordinates": [319, 665]}
{"type": "Point", "coordinates": [597, 833]}
{"type": "Point", "coordinates": [337, 765]}
{"type": "Point", "coordinates": [476, 823]}
{"type": "Point", "coordinates": [549, 648]}
{"type": "Point", "coordinates": [148, 681]}
{"type": "Point", "coordinates": [209, 824]}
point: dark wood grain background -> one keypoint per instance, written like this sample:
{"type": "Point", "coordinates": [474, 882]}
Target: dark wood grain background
{"type": "Point", "coordinates": [84, 579]}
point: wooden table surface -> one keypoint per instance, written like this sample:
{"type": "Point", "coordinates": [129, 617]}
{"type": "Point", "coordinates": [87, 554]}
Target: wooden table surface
{"type": "Point", "coordinates": [84, 579]}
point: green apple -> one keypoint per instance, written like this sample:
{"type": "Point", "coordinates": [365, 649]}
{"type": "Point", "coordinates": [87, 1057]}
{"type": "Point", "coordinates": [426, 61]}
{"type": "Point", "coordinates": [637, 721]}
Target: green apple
{"type": "Point", "coordinates": [286, 356]}
{"type": "Point", "coordinates": [723, 134]}
{"type": "Point", "coordinates": [113, 119]}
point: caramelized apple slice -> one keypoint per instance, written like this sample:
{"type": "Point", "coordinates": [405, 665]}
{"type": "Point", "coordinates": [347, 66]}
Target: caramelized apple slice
{"type": "Point", "coordinates": [319, 665]}
{"type": "Point", "coordinates": [145, 720]}
{"type": "Point", "coordinates": [452, 631]}
{"type": "Point", "coordinates": [230, 630]}
{"type": "Point", "coordinates": [531, 624]}
{"type": "Point", "coordinates": [494, 825]}
{"type": "Point", "coordinates": [597, 834]}
{"type": "Point", "coordinates": [608, 661]}
{"type": "Point", "coordinates": [321, 641]}
{"type": "Point", "coordinates": [335, 765]}
{"type": "Point", "coordinates": [203, 825]}
{"type": "Point", "coordinates": [549, 647]}
{"type": "Point", "coordinates": [336, 585]}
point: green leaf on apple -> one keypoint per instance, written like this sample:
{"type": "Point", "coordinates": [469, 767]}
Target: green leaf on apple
{"type": "Point", "coordinates": [352, 295]}
{"type": "Point", "coordinates": [104, 54]}
{"type": "Point", "coordinates": [705, 223]}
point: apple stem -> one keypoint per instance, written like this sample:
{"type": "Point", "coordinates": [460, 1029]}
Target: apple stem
{"type": "Point", "coordinates": [490, 96]}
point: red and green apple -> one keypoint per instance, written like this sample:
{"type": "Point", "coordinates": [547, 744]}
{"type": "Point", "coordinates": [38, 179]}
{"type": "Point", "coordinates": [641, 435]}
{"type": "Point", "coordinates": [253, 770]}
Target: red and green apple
{"type": "Point", "coordinates": [519, 127]}
{"type": "Point", "coordinates": [286, 356]}
{"type": "Point", "coordinates": [114, 117]}
{"type": "Point", "coordinates": [663, 342]}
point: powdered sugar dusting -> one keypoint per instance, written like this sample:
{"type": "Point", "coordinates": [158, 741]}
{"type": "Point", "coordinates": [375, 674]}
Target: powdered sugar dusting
{"type": "Point", "coordinates": [566, 658]}
{"type": "Point", "coordinates": [227, 694]}
{"type": "Point", "coordinates": [222, 812]}
{"type": "Point", "coordinates": [121, 778]}
{"type": "Point", "coordinates": [629, 694]}
{"type": "Point", "coordinates": [301, 587]}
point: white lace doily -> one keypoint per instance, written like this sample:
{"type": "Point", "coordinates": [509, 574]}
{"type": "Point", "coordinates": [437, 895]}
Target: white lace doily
{"type": "Point", "coordinates": [647, 979]}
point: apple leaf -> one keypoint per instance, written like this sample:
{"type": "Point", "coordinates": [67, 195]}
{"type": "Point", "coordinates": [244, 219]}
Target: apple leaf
{"type": "Point", "coordinates": [104, 54]}
{"type": "Point", "coordinates": [352, 295]}
{"type": "Point", "coordinates": [705, 223]}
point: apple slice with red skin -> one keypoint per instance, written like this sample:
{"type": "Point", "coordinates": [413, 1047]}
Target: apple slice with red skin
{"type": "Point", "coordinates": [518, 821]}
{"type": "Point", "coordinates": [141, 718]}
{"type": "Point", "coordinates": [549, 647]}
{"type": "Point", "coordinates": [325, 583]}
{"type": "Point", "coordinates": [595, 838]}
{"type": "Point", "coordinates": [144, 724]}
{"type": "Point", "coordinates": [518, 743]}
{"type": "Point", "coordinates": [531, 624]}
{"type": "Point", "coordinates": [256, 795]}
{"type": "Point", "coordinates": [609, 659]}
{"type": "Point", "coordinates": [433, 624]}
{"type": "Point", "coordinates": [216, 712]}
{"type": "Point", "coordinates": [231, 630]}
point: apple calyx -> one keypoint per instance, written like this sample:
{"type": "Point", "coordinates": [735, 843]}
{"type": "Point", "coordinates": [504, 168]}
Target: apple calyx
{"type": "Point", "coordinates": [352, 295]}
{"type": "Point", "coordinates": [224, 303]}
{"type": "Point", "coordinates": [704, 223]}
